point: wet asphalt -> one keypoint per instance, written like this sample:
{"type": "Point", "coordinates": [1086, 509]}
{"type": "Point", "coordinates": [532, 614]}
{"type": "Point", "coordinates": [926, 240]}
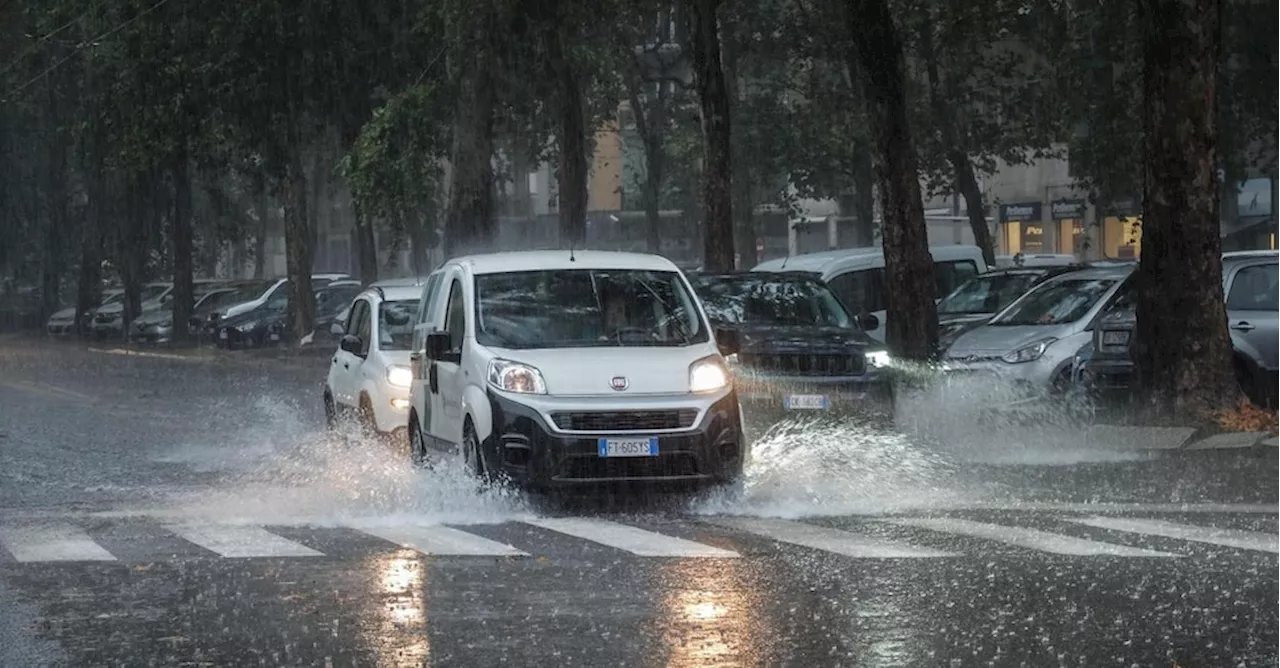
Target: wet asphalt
{"type": "Point", "coordinates": [191, 512]}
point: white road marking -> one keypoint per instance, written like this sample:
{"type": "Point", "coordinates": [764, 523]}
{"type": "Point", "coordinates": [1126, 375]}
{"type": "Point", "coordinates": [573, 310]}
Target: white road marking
{"type": "Point", "coordinates": [441, 540]}
{"type": "Point", "coordinates": [628, 538]}
{"type": "Point", "coordinates": [60, 542]}
{"type": "Point", "coordinates": [828, 540]}
{"type": "Point", "coordinates": [1244, 540]}
{"type": "Point", "coordinates": [1105, 507]}
{"type": "Point", "coordinates": [237, 541]}
{"type": "Point", "coordinates": [1029, 538]}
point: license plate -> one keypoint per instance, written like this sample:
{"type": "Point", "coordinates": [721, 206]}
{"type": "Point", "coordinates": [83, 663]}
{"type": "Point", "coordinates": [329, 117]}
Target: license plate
{"type": "Point", "coordinates": [222, 334]}
{"type": "Point", "coordinates": [1117, 338]}
{"type": "Point", "coordinates": [628, 447]}
{"type": "Point", "coordinates": [275, 337]}
{"type": "Point", "coordinates": [807, 402]}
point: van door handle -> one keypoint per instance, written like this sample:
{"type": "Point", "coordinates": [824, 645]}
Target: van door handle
{"type": "Point", "coordinates": [1243, 326]}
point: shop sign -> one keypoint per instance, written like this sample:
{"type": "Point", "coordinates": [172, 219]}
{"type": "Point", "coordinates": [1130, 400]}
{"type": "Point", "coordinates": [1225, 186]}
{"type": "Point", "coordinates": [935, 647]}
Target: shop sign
{"type": "Point", "coordinates": [1067, 209]}
{"type": "Point", "coordinates": [1019, 211]}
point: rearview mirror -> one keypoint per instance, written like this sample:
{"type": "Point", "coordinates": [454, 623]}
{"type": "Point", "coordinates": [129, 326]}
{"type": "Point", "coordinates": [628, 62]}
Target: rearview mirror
{"type": "Point", "coordinates": [727, 341]}
{"type": "Point", "coordinates": [437, 344]}
{"type": "Point", "coordinates": [868, 322]}
{"type": "Point", "coordinates": [350, 343]}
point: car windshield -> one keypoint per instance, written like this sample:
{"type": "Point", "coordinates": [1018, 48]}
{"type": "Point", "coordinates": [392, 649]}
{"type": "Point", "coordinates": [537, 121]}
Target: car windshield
{"type": "Point", "coordinates": [566, 308]}
{"type": "Point", "coordinates": [151, 292]}
{"type": "Point", "coordinates": [113, 298]}
{"type": "Point", "coordinates": [248, 292]}
{"type": "Point", "coordinates": [1056, 303]}
{"type": "Point", "coordinates": [395, 324]}
{"type": "Point", "coordinates": [987, 294]}
{"type": "Point", "coordinates": [756, 300]}
{"type": "Point", "coordinates": [213, 300]}
{"type": "Point", "coordinates": [332, 300]}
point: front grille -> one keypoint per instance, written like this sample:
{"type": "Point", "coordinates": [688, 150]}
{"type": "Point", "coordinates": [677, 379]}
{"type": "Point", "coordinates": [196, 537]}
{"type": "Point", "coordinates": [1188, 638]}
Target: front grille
{"type": "Point", "coordinates": [676, 464]}
{"type": "Point", "coordinates": [104, 317]}
{"type": "Point", "coordinates": [805, 365]}
{"type": "Point", "coordinates": [625, 420]}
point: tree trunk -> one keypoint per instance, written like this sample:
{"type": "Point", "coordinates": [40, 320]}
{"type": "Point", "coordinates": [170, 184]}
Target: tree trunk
{"type": "Point", "coordinates": [717, 169]}
{"type": "Point", "coordinates": [470, 225]}
{"type": "Point", "coordinates": [262, 209]}
{"type": "Point", "coordinates": [1183, 350]}
{"type": "Point", "coordinates": [911, 329]}
{"type": "Point", "coordinates": [744, 233]}
{"type": "Point", "coordinates": [366, 248]}
{"type": "Point", "coordinates": [966, 181]}
{"type": "Point", "coordinates": [864, 201]}
{"type": "Point", "coordinates": [297, 247]}
{"type": "Point", "coordinates": [183, 287]}
{"type": "Point", "coordinates": [651, 124]}
{"type": "Point", "coordinates": [573, 170]}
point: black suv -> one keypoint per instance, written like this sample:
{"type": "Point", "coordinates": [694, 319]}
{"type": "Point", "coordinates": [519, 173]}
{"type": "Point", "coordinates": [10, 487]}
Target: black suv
{"type": "Point", "coordinates": [799, 348]}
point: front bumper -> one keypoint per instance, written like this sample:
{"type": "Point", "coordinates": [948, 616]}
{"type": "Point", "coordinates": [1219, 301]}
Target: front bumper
{"type": "Point", "coordinates": [531, 454]}
{"type": "Point", "coordinates": [61, 327]}
{"type": "Point", "coordinates": [781, 392]}
{"type": "Point", "coordinates": [1105, 374]}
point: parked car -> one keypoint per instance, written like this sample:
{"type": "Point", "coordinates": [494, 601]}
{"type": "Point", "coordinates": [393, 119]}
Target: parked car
{"type": "Point", "coordinates": [370, 373]}
{"type": "Point", "coordinates": [1250, 280]}
{"type": "Point", "coordinates": [331, 301]}
{"type": "Point", "coordinates": [856, 275]}
{"type": "Point", "coordinates": [555, 369]}
{"type": "Point", "coordinates": [108, 319]}
{"type": "Point", "coordinates": [157, 326]}
{"type": "Point", "coordinates": [978, 299]}
{"type": "Point", "coordinates": [275, 288]}
{"type": "Point", "coordinates": [1034, 340]}
{"type": "Point", "coordinates": [64, 322]}
{"type": "Point", "coordinates": [798, 346]}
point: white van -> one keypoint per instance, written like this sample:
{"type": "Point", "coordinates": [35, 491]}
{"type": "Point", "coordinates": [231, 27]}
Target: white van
{"type": "Point", "coordinates": [856, 275]}
{"type": "Point", "coordinates": [556, 368]}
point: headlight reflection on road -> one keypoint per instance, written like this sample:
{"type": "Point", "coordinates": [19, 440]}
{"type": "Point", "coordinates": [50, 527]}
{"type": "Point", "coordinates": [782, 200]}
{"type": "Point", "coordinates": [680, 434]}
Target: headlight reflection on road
{"type": "Point", "coordinates": [399, 637]}
{"type": "Point", "coordinates": [711, 614]}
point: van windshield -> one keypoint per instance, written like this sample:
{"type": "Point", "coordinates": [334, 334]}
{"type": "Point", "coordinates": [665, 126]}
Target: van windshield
{"type": "Point", "coordinates": [585, 308]}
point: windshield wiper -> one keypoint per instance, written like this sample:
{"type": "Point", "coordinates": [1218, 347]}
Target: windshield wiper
{"type": "Point", "coordinates": [679, 326]}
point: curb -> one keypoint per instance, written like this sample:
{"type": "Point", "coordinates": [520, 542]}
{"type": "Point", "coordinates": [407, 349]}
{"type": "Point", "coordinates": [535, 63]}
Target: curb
{"type": "Point", "coordinates": [1176, 439]}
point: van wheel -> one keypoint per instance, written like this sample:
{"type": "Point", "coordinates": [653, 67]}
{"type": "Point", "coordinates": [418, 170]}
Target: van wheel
{"type": "Point", "coordinates": [330, 412]}
{"type": "Point", "coordinates": [365, 416]}
{"type": "Point", "coordinates": [417, 447]}
{"type": "Point", "coordinates": [471, 451]}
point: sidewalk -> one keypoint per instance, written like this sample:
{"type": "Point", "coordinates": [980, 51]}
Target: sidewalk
{"type": "Point", "coordinates": [1178, 439]}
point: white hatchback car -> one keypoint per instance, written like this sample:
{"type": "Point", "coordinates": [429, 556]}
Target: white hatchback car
{"type": "Point", "coordinates": [554, 369]}
{"type": "Point", "coordinates": [370, 372]}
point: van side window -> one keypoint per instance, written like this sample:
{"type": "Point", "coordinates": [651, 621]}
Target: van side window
{"type": "Point", "coordinates": [860, 291]}
{"type": "Point", "coordinates": [950, 275]}
{"type": "Point", "coordinates": [456, 321]}
{"type": "Point", "coordinates": [428, 296]}
{"type": "Point", "coordinates": [1253, 289]}
{"type": "Point", "coordinates": [364, 327]}
{"type": "Point", "coordinates": [353, 316]}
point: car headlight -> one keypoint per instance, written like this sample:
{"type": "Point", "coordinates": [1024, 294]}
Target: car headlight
{"type": "Point", "coordinates": [732, 359]}
{"type": "Point", "coordinates": [708, 375]}
{"type": "Point", "coordinates": [511, 376]}
{"type": "Point", "coordinates": [167, 323]}
{"type": "Point", "coordinates": [399, 376]}
{"type": "Point", "coordinates": [878, 359]}
{"type": "Point", "coordinates": [1028, 353]}
{"type": "Point", "coordinates": [247, 326]}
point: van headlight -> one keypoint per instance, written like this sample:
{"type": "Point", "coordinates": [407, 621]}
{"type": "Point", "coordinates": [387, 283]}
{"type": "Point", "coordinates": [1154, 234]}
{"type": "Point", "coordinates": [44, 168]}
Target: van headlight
{"type": "Point", "coordinates": [511, 376]}
{"type": "Point", "coordinates": [1028, 353]}
{"type": "Point", "coordinates": [399, 376]}
{"type": "Point", "coordinates": [707, 375]}
{"type": "Point", "coordinates": [878, 359]}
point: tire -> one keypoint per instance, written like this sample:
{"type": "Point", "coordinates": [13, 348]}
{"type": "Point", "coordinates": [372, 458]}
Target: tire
{"type": "Point", "coordinates": [473, 458]}
{"type": "Point", "coordinates": [330, 412]}
{"type": "Point", "coordinates": [365, 416]}
{"type": "Point", "coordinates": [417, 446]}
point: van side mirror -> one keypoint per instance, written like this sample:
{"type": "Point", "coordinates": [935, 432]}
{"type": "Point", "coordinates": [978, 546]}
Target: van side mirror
{"type": "Point", "coordinates": [437, 344]}
{"type": "Point", "coordinates": [868, 321]}
{"type": "Point", "coordinates": [727, 341]}
{"type": "Point", "coordinates": [350, 343]}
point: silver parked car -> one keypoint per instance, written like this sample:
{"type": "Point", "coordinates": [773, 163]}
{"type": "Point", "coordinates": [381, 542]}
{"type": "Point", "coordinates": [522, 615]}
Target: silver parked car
{"type": "Point", "coordinates": [1034, 339]}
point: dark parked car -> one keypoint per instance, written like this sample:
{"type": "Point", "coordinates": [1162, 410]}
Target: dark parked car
{"type": "Point", "coordinates": [799, 348]}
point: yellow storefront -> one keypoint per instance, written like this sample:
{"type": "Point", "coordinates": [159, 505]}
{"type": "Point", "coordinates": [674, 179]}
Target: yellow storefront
{"type": "Point", "coordinates": [1022, 230]}
{"type": "Point", "coordinates": [1121, 224]}
{"type": "Point", "coordinates": [1068, 224]}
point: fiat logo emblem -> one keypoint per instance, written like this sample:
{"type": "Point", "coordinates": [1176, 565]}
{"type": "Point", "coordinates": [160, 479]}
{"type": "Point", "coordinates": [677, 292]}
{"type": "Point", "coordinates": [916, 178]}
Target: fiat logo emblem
{"type": "Point", "coordinates": [619, 383]}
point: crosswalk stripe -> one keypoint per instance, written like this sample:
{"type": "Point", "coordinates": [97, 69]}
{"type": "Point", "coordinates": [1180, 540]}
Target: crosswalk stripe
{"type": "Point", "coordinates": [239, 541]}
{"type": "Point", "coordinates": [58, 542]}
{"type": "Point", "coordinates": [441, 540]}
{"type": "Point", "coordinates": [1032, 539]}
{"type": "Point", "coordinates": [1244, 540]}
{"type": "Point", "coordinates": [629, 538]}
{"type": "Point", "coordinates": [828, 540]}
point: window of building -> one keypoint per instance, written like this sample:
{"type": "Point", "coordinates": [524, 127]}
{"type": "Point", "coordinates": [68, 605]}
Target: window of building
{"type": "Point", "coordinates": [1122, 237]}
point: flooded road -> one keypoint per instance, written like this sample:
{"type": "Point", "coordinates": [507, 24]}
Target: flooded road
{"type": "Point", "coordinates": [190, 510]}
